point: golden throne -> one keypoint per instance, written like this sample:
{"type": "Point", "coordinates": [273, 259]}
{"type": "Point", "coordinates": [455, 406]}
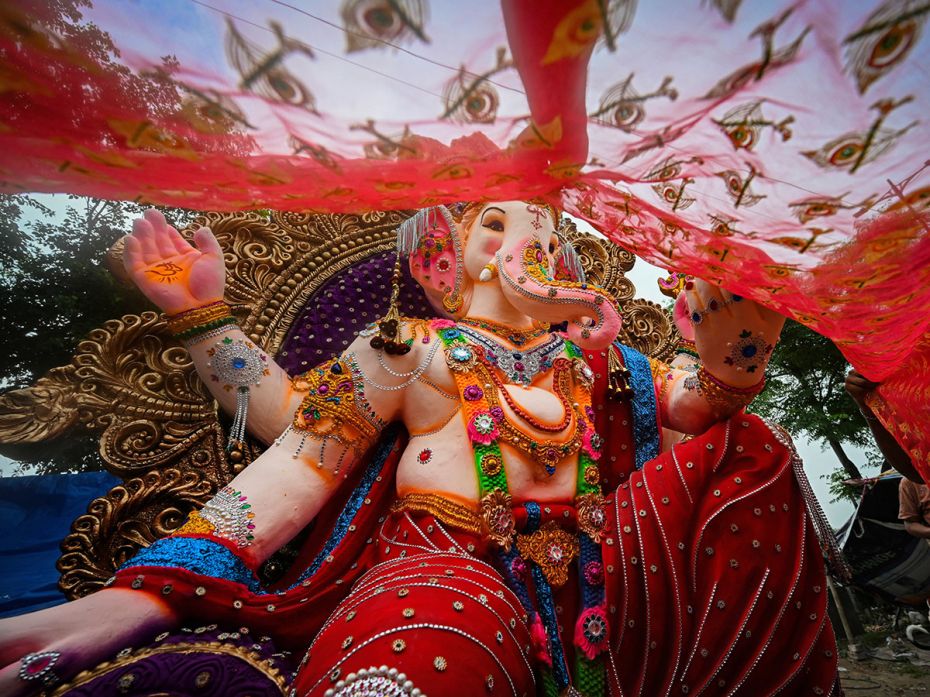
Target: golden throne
{"type": "Point", "coordinates": [301, 286]}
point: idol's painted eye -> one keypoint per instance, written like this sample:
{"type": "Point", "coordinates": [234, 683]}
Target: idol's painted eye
{"type": "Point", "coordinates": [495, 225]}
{"type": "Point", "coordinates": [552, 248]}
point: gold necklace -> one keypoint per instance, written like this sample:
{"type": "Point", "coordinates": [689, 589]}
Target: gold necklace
{"type": "Point", "coordinates": [517, 337]}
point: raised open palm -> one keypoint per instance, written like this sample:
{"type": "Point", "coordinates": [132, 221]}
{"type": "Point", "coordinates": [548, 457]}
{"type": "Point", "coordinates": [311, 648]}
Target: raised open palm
{"type": "Point", "coordinates": [168, 270]}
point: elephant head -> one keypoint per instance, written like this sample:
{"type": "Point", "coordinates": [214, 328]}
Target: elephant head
{"type": "Point", "coordinates": [509, 248]}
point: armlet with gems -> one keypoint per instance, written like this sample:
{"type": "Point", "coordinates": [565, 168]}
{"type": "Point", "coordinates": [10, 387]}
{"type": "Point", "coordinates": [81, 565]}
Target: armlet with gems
{"type": "Point", "coordinates": [335, 409]}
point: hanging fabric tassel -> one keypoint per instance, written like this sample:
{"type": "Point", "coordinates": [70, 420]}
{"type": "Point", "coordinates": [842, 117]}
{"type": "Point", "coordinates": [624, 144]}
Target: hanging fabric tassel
{"type": "Point", "coordinates": [412, 230]}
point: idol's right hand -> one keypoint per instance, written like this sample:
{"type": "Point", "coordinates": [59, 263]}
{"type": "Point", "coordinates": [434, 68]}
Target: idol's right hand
{"type": "Point", "coordinates": [171, 272]}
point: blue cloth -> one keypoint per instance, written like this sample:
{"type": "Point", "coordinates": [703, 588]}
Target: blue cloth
{"type": "Point", "coordinates": [643, 405]}
{"type": "Point", "coordinates": [36, 513]}
{"type": "Point", "coordinates": [197, 555]}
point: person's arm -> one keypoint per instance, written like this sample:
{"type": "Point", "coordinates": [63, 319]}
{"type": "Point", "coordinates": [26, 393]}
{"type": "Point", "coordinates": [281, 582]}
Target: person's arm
{"type": "Point", "coordinates": [909, 511]}
{"type": "Point", "coordinates": [917, 529]}
{"type": "Point", "coordinates": [859, 387]}
{"type": "Point", "coordinates": [734, 338]}
{"type": "Point", "coordinates": [187, 283]}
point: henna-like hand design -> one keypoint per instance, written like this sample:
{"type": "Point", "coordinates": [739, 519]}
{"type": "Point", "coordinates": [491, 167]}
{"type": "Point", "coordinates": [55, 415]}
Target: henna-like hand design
{"type": "Point", "coordinates": [734, 336]}
{"type": "Point", "coordinates": [168, 270]}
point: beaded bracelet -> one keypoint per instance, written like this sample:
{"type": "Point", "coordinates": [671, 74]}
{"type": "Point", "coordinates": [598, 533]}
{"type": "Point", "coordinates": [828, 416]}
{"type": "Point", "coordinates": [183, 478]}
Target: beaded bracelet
{"type": "Point", "coordinates": [209, 334]}
{"type": "Point", "coordinates": [723, 397]}
{"type": "Point", "coordinates": [689, 348]}
{"type": "Point", "coordinates": [195, 333]}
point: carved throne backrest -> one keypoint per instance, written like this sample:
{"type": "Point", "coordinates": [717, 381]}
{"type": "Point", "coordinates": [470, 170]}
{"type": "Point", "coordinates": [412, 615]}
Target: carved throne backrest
{"type": "Point", "coordinates": [301, 286]}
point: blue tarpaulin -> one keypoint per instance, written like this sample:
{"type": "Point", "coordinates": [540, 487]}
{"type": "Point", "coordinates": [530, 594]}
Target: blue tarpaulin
{"type": "Point", "coordinates": [36, 513]}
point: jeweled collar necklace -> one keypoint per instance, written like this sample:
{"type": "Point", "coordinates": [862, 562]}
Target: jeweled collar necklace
{"type": "Point", "coordinates": [521, 366]}
{"type": "Point", "coordinates": [517, 337]}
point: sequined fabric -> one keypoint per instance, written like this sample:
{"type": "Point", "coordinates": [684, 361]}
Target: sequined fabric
{"type": "Point", "coordinates": [710, 578]}
{"type": "Point", "coordinates": [195, 555]}
{"type": "Point", "coordinates": [643, 404]}
{"type": "Point", "coordinates": [430, 610]}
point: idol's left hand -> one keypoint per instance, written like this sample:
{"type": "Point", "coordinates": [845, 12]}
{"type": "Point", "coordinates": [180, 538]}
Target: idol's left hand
{"type": "Point", "coordinates": [734, 336]}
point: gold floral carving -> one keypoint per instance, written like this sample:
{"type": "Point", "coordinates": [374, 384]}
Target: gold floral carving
{"type": "Point", "coordinates": [245, 654]}
{"type": "Point", "coordinates": [553, 549]}
{"type": "Point", "coordinates": [605, 264]}
{"type": "Point", "coordinates": [646, 326]}
{"type": "Point", "coordinates": [133, 384]}
{"type": "Point", "coordinates": [649, 329]}
{"type": "Point", "coordinates": [129, 516]}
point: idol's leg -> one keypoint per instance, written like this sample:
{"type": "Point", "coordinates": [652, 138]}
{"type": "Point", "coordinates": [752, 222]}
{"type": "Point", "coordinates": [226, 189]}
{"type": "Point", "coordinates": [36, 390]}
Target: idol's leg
{"type": "Point", "coordinates": [442, 620]}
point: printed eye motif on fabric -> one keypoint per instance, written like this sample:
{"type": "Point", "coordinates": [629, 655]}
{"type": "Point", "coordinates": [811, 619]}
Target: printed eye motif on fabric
{"type": "Point", "coordinates": [883, 41]}
{"type": "Point", "coordinates": [375, 24]}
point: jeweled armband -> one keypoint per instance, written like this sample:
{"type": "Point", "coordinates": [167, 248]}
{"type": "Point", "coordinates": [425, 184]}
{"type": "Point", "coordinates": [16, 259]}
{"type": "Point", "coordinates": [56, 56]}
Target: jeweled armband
{"type": "Point", "coordinates": [335, 406]}
{"type": "Point", "coordinates": [724, 398]}
{"type": "Point", "coordinates": [238, 365]}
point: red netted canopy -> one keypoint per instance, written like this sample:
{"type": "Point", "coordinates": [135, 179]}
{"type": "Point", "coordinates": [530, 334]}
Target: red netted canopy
{"type": "Point", "coordinates": [776, 148]}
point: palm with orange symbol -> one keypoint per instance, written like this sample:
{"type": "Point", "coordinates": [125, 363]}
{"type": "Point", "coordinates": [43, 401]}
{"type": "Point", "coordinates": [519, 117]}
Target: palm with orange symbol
{"type": "Point", "coordinates": [169, 271]}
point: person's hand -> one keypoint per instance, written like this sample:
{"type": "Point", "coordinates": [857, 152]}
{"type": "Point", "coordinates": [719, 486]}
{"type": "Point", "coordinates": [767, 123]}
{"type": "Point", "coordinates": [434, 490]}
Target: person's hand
{"type": "Point", "coordinates": [78, 635]}
{"type": "Point", "coordinates": [859, 387]}
{"type": "Point", "coordinates": [168, 270]}
{"type": "Point", "coordinates": [734, 336]}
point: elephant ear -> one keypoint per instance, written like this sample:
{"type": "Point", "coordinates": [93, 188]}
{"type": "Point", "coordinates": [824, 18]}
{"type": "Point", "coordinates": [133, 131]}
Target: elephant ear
{"type": "Point", "coordinates": [433, 244]}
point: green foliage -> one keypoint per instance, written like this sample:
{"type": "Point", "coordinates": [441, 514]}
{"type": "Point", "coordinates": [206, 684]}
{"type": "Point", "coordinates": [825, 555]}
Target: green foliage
{"type": "Point", "coordinates": [57, 288]}
{"type": "Point", "coordinates": [838, 489]}
{"type": "Point", "coordinates": [805, 393]}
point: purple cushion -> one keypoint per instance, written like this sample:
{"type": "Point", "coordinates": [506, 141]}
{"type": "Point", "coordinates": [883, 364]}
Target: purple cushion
{"type": "Point", "coordinates": [206, 662]}
{"type": "Point", "coordinates": [342, 307]}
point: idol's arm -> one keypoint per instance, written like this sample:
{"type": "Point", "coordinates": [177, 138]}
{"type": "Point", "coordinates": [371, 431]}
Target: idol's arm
{"type": "Point", "coordinates": [734, 338]}
{"type": "Point", "coordinates": [187, 283]}
{"type": "Point", "coordinates": [260, 510]}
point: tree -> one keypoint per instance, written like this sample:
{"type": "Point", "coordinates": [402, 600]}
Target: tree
{"type": "Point", "coordinates": [56, 288]}
{"type": "Point", "coordinates": [805, 394]}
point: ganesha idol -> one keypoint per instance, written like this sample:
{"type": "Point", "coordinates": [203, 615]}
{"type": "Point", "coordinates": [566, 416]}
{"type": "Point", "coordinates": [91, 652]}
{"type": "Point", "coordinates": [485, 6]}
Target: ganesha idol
{"type": "Point", "coordinates": [525, 535]}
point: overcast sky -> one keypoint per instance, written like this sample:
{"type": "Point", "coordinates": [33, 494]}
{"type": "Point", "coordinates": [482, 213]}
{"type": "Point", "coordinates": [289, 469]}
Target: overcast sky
{"type": "Point", "coordinates": [818, 460]}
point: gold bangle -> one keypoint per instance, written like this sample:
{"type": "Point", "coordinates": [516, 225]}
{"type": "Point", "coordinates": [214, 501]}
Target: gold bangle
{"type": "Point", "coordinates": [188, 320]}
{"type": "Point", "coordinates": [724, 398]}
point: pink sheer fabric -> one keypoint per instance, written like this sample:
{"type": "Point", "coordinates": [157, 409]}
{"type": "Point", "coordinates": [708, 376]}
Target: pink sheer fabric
{"type": "Point", "coordinates": [778, 148]}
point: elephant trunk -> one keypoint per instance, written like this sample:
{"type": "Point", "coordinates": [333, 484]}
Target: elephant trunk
{"type": "Point", "coordinates": [593, 320]}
